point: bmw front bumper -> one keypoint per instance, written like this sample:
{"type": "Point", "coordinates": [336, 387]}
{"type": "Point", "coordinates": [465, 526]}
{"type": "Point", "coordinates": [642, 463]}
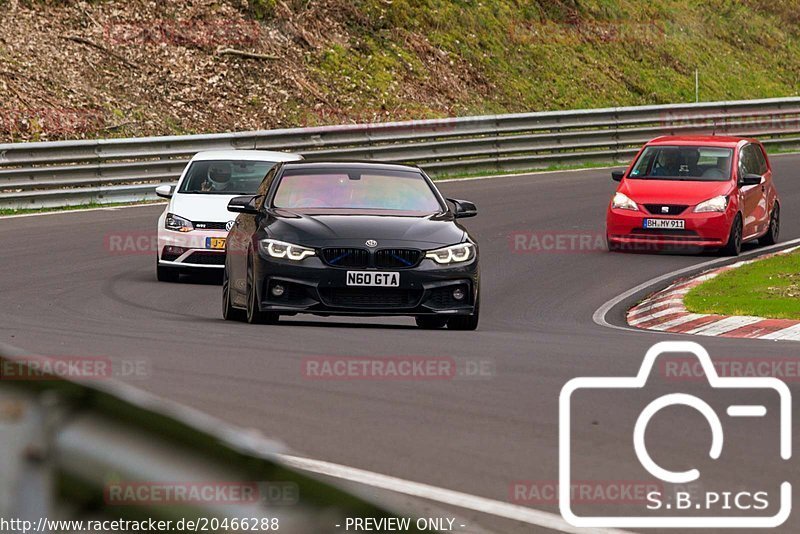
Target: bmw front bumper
{"type": "Point", "coordinates": [311, 286]}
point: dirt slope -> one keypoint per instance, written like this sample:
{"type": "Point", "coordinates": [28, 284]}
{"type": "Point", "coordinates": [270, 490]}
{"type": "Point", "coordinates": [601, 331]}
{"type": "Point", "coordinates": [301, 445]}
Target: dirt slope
{"type": "Point", "coordinates": [132, 68]}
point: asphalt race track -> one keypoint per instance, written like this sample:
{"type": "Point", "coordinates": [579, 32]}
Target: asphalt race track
{"type": "Point", "coordinates": [65, 294]}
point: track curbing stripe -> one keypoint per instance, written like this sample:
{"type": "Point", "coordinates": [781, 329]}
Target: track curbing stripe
{"type": "Point", "coordinates": [658, 312]}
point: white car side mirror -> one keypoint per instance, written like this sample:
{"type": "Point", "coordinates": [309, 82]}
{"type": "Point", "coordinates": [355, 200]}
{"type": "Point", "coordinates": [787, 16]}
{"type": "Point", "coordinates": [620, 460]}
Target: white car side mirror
{"type": "Point", "coordinates": [164, 191]}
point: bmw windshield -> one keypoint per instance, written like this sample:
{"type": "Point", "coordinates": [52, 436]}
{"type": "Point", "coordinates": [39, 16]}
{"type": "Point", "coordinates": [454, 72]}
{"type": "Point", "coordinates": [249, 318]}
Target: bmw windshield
{"type": "Point", "coordinates": [225, 177]}
{"type": "Point", "coordinates": [696, 163]}
{"type": "Point", "coordinates": [355, 190]}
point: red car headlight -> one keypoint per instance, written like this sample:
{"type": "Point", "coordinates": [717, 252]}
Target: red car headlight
{"type": "Point", "coordinates": [716, 204]}
{"type": "Point", "coordinates": [622, 202]}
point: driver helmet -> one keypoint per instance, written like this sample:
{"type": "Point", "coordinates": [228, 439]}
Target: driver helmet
{"type": "Point", "coordinates": [219, 175]}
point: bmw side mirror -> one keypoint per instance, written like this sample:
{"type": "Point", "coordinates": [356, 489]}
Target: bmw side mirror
{"type": "Point", "coordinates": [165, 191]}
{"type": "Point", "coordinates": [464, 208]}
{"type": "Point", "coordinates": [751, 179]}
{"type": "Point", "coordinates": [243, 204]}
{"type": "Point", "coordinates": [617, 175]}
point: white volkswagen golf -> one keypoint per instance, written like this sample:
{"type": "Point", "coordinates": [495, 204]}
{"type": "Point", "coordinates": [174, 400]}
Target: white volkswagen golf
{"type": "Point", "coordinates": [194, 226]}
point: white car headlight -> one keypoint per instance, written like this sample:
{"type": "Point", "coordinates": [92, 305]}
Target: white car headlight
{"type": "Point", "coordinates": [452, 254]}
{"type": "Point", "coordinates": [622, 202]}
{"type": "Point", "coordinates": [283, 250]}
{"type": "Point", "coordinates": [178, 224]}
{"type": "Point", "coordinates": [719, 203]}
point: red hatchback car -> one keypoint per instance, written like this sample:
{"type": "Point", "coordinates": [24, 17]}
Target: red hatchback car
{"type": "Point", "coordinates": [697, 191]}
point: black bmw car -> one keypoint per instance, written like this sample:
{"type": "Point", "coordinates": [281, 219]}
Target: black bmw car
{"type": "Point", "coordinates": [351, 239]}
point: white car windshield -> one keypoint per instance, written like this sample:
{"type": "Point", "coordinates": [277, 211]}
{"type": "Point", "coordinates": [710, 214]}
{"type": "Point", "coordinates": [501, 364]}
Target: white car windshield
{"type": "Point", "coordinates": [225, 177]}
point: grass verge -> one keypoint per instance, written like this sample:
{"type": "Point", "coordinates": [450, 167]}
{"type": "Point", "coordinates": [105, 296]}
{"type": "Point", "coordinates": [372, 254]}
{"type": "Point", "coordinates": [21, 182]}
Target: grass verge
{"type": "Point", "coordinates": [538, 170]}
{"type": "Point", "coordinates": [7, 212]}
{"type": "Point", "coordinates": [767, 288]}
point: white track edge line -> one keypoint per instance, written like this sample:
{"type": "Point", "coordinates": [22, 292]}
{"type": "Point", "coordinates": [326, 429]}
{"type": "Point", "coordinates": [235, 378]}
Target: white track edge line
{"type": "Point", "coordinates": [454, 498]}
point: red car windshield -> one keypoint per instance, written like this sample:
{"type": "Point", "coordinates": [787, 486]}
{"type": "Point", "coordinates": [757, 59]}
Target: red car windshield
{"type": "Point", "coordinates": [697, 163]}
{"type": "Point", "coordinates": [377, 190]}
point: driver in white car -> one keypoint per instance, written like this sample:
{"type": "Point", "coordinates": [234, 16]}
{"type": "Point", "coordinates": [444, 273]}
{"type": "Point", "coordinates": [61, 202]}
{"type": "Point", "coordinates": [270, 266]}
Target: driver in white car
{"type": "Point", "coordinates": [218, 178]}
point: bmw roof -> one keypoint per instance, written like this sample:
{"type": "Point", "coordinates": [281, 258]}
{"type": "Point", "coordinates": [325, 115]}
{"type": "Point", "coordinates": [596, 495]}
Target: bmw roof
{"type": "Point", "coordinates": [356, 164]}
{"type": "Point", "coordinates": [246, 155]}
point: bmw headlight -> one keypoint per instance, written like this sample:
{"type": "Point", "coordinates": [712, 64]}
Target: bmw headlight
{"type": "Point", "coordinates": [622, 202]}
{"type": "Point", "coordinates": [452, 254]}
{"type": "Point", "coordinates": [282, 250]}
{"type": "Point", "coordinates": [719, 203]}
{"type": "Point", "coordinates": [178, 224]}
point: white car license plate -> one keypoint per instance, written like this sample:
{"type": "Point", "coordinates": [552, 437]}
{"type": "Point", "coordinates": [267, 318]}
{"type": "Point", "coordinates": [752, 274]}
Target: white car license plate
{"type": "Point", "coordinates": [215, 243]}
{"type": "Point", "coordinates": [373, 279]}
{"type": "Point", "coordinates": [665, 224]}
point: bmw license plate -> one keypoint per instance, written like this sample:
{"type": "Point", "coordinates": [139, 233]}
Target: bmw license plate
{"type": "Point", "coordinates": [665, 224]}
{"type": "Point", "coordinates": [373, 279]}
{"type": "Point", "coordinates": [215, 243]}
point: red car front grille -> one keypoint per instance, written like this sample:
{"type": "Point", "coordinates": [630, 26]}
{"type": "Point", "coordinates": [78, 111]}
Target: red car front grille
{"type": "Point", "coordinates": [666, 209]}
{"type": "Point", "coordinates": [688, 236]}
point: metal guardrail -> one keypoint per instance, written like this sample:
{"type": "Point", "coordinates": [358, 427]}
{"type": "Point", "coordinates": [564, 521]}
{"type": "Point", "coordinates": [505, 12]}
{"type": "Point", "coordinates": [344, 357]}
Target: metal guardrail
{"type": "Point", "coordinates": [34, 175]}
{"type": "Point", "coordinates": [68, 446]}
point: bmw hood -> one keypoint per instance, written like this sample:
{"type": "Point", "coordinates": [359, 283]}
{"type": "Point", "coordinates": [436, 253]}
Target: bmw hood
{"type": "Point", "coordinates": [207, 208]}
{"type": "Point", "coordinates": [353, 230]}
